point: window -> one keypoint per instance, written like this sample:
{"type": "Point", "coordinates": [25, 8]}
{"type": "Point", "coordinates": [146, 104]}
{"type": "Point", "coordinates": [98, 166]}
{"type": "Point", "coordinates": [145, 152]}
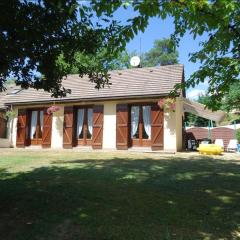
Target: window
{"type": "Point", "coordinates": [84, 125]}
{"type": "Point", "coordinates": [141, 123]}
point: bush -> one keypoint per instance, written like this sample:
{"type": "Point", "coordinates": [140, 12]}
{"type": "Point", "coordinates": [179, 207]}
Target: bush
{"type": "Point", "coordinates": [238, 135]}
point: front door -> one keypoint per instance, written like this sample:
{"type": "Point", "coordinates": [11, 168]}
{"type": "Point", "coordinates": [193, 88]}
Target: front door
{"type": "Point", "coordinates": [36, 127]}
{"type": "Point", "coordinates": [84, 128]}
{"type": "Point", "coordinates": [141, 125]}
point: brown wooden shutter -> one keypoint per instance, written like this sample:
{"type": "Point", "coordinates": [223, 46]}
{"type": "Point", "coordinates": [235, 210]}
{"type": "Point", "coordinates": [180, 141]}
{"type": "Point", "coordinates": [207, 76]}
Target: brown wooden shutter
{"type": "Point", "coordinates": [3, 125]}
{"type": "Point", "coordinates": [47, 129]}
{"type": "Point", "coordinates": [21, 128]}
{"type": "Point", "coordinates": [97, 127]}
{"type": "Point", "coordinates": [122, 127]}
{"type": "Point", "coordinates": [157, 127]}
{"type": "Point", "coordinates": [68, 127]}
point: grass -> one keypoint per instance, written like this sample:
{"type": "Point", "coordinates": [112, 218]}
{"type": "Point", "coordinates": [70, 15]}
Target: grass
{"type": "Point", "coordinates": [69, 195]}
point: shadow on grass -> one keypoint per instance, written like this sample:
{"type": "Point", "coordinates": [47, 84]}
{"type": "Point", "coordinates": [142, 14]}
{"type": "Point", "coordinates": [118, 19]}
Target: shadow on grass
{"type": "Point", "coordinates": [122, 199]}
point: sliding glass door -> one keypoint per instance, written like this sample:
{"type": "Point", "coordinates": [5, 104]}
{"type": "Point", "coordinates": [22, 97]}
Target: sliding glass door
{"type": "Point", "coordinates": [141, 125]}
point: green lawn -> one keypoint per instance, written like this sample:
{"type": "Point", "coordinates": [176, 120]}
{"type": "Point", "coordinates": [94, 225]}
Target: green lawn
{"type": "Point", "coordinates": [69, 195]}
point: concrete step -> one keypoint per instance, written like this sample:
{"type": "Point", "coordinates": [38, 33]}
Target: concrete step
{"type": "Point", "coordinates": [4, 143]}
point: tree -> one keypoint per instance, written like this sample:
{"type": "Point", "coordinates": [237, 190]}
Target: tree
{"type": "Point", "coordinates": [238, 136]}
{"type": "Point", "coordinates": [121, 61]}
{"type": "Point", "coordinates": [39, 40]}
{"type": "Point", "coordinates": [10, 81]}
{"type": "Point", "coordinates": [231, 104]}
{"type": "Point", "coordinates": [219, 54]}
{"type": "Point", "coordinates": [93, 61]}
{"type": "Point", "coordinates": [231, 100]}
{"type": "Point", "coordinates": [163, 53]}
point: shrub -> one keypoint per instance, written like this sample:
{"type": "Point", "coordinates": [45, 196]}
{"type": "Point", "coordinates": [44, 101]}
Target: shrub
{"type": "Point", "coordinates": [238, 135]}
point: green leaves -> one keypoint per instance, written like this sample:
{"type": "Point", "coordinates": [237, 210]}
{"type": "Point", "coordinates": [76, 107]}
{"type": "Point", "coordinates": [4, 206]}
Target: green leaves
{"type": "Point", "coordinates": [39, 40]}
{"type": "Point", "coordinates": [219, 55]}
{"type": "Point", "coordinates": [231, 100]}
{"type": "Point", "coordinates": [163, 53]}
{"type": "Point", "coordinates": [238, 135]}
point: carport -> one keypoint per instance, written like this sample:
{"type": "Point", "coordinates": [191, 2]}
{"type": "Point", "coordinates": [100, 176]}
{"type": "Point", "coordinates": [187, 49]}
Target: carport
{"type": "Point", "coordinates": [201, 110]}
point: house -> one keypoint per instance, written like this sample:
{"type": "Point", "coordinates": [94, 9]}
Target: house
{"type": "Point", "coordinates": [122, 116]}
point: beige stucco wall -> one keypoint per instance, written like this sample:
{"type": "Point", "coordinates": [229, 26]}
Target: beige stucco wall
{"type": "Point", "coordinates": [57, 128]}
{"type": "Point", "coordinates": [169, 142]}
{"type": "Point", "coordinates": [179, 123]}
{"type": "Point", "coordinates": [172, 124]}
{"type": "Point", "coordinates": [173, 128]}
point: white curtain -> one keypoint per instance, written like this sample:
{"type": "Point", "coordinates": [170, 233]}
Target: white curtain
{"type": "Point", "coordinates": [41, 120]}
{"type": "Point", "coordinates": [33, 123]}
{"type": "Point", "coordinates": [134, 120]}
{"type": "Point", "coordinates": [80, 118]}
{"type": "Point", "coordinates": [90, 120]}
{"type": "Point", "coordinates": [147, 120]}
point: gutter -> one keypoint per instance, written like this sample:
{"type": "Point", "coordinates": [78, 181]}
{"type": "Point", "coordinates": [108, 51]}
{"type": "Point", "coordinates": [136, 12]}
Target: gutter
{"type": "Point", "coordinates": [59, 100]}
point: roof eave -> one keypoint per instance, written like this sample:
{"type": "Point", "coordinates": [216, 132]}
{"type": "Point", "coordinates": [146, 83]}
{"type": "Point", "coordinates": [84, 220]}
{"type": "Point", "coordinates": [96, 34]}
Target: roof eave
{"type": "Point", "coordinates": [69, 100]}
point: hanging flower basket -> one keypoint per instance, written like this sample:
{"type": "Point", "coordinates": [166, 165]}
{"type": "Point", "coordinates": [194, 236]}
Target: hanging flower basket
{"type": "Point", "coordinates": [52, 109]}
{"type": "Point", "coordinates": [168, 104]}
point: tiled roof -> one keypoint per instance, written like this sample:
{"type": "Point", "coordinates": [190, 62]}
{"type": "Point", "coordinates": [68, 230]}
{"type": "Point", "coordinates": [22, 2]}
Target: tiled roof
{"type": "Point", "coordinates": [129, 83]}
{"type": "Point", "coordinates": [4, 95]}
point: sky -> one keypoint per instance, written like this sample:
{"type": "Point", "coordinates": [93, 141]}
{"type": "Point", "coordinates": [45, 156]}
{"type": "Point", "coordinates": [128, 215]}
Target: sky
{"type": "Point", "coordinates": [158, 29]}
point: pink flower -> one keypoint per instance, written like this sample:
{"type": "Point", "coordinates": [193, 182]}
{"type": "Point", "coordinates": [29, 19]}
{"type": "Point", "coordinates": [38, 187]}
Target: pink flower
{"type": "Point", "coordinates": [173, 106]}
{"type": "Point", "coordinates": [52, 109]}
{"type": "Point", "coordinates": [161, 103]}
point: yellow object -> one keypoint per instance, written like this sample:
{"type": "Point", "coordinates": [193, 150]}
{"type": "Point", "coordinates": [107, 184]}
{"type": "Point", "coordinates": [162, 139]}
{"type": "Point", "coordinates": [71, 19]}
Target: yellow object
{"type": "Point", "coordinates": [210, 149]}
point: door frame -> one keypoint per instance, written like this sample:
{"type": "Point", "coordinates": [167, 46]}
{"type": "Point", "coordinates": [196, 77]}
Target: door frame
{"type": "Point", "coordinates": [84, 141]}
{"type": "Point", "coordinates": [37, 141]}
{"type": "Point", "coordinates": [140, 142]}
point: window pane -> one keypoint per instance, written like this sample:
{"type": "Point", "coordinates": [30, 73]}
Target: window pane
{"type": "Point", "coordinates": [136, 135]}
{"type": "Point", "coordinates": [80, 118]}
{"type": "Point", "coordinates": [146, 110]}
{"type": "Point", "coordinates": [33, 124]}
{"type": "Point", "coordinates": [135, 121]}
{"type": "Point", "coordinates": [81, 134]}
{"type": "Point", "coordinates": [41, 124]}
{"type": "Point", "coordinates": [90, 123]}
{"type": "Point", "coordinates": [89, 135]}
{"type": "Point", "coordinates": [144, 134]}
